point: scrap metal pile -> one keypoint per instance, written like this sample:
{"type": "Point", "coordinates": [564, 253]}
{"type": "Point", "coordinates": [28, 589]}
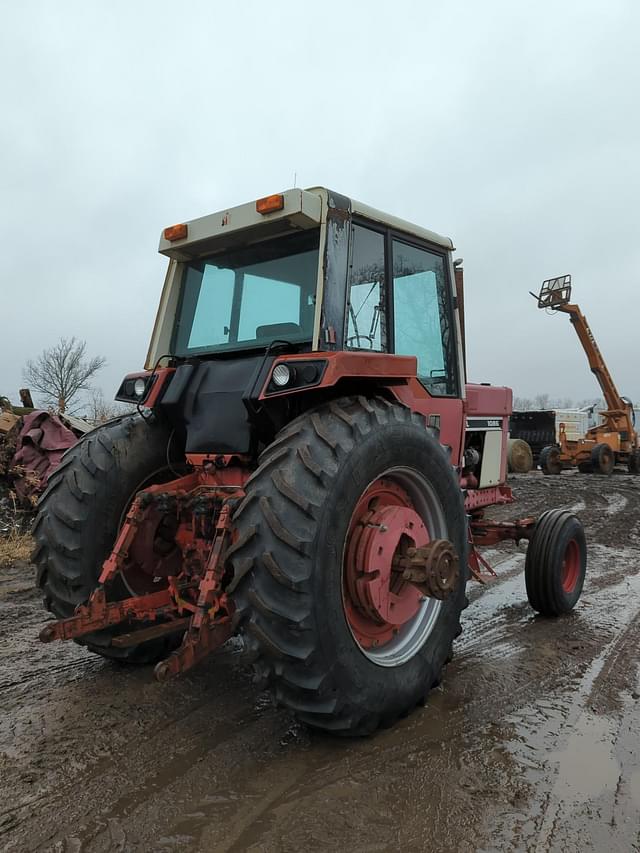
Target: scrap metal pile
{"type": "Point", "coordinates": [32, 443]}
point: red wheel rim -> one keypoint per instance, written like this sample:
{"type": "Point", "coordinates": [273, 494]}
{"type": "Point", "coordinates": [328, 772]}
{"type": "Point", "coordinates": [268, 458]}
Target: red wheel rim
{"type": "Point", "coordinates": [571, 565]}
{"type": "Point", "coordinates": [154, 555]}
{"type": "Point", "coordinates": [377, 601]}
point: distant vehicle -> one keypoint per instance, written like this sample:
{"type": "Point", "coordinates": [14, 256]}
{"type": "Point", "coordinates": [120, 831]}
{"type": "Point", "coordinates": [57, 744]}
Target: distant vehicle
{"type": "Point", "coordinates": [615, 439]}
{"type": "Point", "coordinates": [541, 427]}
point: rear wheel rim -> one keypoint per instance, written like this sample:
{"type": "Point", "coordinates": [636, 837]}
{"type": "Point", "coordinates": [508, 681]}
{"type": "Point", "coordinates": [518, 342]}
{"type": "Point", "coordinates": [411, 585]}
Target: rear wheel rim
{"type": "Point", "coordinates": [571, 566]}
{"type": "Point", "coordinates": [389, 619]}
{"type": "Point", "coordinates": [148, 568]}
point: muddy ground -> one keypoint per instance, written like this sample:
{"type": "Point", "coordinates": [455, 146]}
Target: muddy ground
{"type": "Point", "coordinates": [532, 742]}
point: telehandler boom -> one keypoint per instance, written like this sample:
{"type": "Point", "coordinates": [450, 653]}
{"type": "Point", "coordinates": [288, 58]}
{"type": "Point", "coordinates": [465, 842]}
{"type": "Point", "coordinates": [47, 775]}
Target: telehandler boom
{"type": "Point", "coordinates": [615, 440]}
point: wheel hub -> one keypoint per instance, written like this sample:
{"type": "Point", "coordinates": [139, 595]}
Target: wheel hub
{"type": "Point", "coordinates": [379, 590]}
{"type": "Point", "coordinates": [378, 600]}
{"type": "Point", "coordinates": [570, 567]}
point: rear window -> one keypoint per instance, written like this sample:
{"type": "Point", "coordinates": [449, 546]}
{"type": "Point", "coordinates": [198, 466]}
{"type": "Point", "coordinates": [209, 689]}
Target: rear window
{"type": "Point", "coordinates": [249, 297]}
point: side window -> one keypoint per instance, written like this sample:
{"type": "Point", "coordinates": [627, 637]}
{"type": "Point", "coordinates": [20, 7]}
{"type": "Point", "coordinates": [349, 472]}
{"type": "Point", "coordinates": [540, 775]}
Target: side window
{"type": "Point", "coordinates": [422, 316]}
{"type": "Point", "coordinates": [366, 326]}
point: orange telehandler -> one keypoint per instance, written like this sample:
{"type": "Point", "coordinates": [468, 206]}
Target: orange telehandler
{"type": "Point", "coordinates": [615, 440]}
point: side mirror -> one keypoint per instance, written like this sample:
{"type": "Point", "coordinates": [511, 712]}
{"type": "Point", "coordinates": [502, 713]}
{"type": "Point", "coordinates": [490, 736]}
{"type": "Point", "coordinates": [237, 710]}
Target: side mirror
{"type": "Point", "coordinates": [554, 292]}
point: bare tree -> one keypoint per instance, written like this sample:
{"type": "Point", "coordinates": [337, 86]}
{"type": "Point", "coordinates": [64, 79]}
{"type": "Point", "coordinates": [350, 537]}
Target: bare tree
{"type": "Point", "coordinates": [522, 404]}
{"type": "Point", "coordinates": [541, 401]}
{"type": "Point", "coordinates": [60, 373]}
{"type": "Point", "coordinates": [100, 410]}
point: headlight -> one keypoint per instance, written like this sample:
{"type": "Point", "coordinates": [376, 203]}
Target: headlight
{"type": "Point", "coordinates": [281, 375]}
{"type": "Point", "coordinates": [295, 376]}
{"type": "Point", "coordinates": [136, 388]}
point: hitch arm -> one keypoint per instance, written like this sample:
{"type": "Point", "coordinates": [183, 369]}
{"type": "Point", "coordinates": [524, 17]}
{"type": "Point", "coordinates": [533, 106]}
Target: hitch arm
{"type": "Point", "coordinates": [98, 613]}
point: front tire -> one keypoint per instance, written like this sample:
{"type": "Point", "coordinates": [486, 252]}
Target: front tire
{"type": "Point", "coordinates": [556, 563]}
{"type": "Point", "coordinates": [291, 585]}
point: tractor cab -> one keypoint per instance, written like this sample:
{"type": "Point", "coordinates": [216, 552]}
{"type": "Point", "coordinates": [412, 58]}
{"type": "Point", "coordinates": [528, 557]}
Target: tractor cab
{"type": "Point", "coordinates": [287, 297]}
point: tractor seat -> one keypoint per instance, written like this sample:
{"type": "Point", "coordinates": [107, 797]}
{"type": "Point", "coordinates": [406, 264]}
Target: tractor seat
{"type": "Point", "coordinates": [275, 330]}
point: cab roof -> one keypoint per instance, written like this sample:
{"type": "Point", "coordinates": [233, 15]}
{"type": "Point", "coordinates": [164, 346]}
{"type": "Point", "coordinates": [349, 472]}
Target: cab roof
{"type": "Point", "coordinates": [299, 209]}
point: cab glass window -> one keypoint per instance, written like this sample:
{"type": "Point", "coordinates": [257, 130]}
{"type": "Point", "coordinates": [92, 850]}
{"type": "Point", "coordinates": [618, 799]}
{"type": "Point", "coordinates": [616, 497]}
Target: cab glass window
{"type": "Point", "coordinates": [366, 325]}
{"type": "Point", "coordinates": [249, 297]}
{"type": "Point", "coordinates": [422, 316]}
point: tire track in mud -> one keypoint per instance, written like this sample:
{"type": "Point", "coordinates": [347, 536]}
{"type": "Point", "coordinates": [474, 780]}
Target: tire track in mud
{"type": "Point", "coordinates": [580, 782]}
{"type": "Point", "coordinates": [206, 764]}
{"type": "Point", "coordinates": [256, 820]}
{"type": "Point", "coordinates": [113, 784]}
{"type": "Point", "coordinates": [467, 722]}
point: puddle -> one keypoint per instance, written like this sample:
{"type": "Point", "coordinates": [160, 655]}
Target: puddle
{"type": "Point", "coordinates": [586, 767]}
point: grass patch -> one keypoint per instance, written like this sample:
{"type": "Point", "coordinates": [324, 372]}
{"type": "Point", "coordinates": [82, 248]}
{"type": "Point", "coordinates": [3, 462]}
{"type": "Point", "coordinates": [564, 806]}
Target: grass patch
{"type": "Point", "coordinates": [15, 548]}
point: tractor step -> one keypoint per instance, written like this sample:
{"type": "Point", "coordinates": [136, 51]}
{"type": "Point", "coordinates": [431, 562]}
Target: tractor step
{"type": "Point", "coordinates": [98, 613]}
{"type": "Point", "coordinates": [133, 638]}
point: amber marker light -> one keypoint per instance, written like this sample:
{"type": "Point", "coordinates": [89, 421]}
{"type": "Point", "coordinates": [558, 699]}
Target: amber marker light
{"type": "Point", "coordinates": [270, 204]}
{"type": "Point", "coordinates": [175, 232]}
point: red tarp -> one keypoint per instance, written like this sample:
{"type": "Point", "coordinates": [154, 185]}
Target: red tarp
{"type": "Point", "coordinates": [41, 442]}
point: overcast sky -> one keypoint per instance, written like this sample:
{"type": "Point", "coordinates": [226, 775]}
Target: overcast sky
{"type": "Point", "coordinates": [512, 127]}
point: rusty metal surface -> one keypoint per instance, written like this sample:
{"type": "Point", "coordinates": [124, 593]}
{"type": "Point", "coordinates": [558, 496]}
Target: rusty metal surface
{"type": "Point", "coordinates": [487, 532]}
{"type": "Point", "coordinates": [433, 568]}
{"type": "Point", "coordinates": [479, 568]}
{"type": "Point", "coordinates": [98, 614]}
{"type": "Point", "coordinates": [492, 496]}
{"type": "Point", "coordinates": [153, 632]}
{"type": "Point", "coordinates": [179, 586]}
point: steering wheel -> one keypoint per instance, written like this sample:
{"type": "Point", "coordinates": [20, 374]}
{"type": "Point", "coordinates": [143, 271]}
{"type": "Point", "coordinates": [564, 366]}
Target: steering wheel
{"type": "Point", "coordinates": [358, 338]}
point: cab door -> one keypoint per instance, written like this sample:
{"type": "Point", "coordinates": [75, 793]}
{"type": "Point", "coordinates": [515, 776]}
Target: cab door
{"type": "Point", "coordinates": [423, 324]}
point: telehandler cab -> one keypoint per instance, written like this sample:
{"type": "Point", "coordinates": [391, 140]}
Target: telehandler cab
{"type": "Point", "coordinates": [308, 468]}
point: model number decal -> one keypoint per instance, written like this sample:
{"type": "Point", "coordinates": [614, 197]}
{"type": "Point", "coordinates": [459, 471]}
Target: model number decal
{"type": "Point", "coordinates": [484, 423]}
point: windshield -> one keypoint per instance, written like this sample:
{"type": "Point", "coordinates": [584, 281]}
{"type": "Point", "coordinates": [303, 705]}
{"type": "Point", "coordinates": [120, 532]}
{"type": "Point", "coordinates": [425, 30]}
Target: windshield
{"type": "Point", "coordinates": [249, 297]}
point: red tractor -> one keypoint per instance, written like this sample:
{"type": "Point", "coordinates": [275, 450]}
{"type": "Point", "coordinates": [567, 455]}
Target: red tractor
{"type": "Point", "coordinates": [307, 468]}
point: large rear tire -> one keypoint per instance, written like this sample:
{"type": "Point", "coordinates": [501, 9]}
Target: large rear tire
{"type": "Point", "coordinates": [293, 569]}
{"type": "Point", "coordinates": [79, 516]}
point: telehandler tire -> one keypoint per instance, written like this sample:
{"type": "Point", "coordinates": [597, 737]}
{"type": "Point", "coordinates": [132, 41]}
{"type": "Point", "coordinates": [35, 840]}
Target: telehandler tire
{"type": "Point", "coordinates": [79, 516]}
{"type": "Point", "coordinates": [550, 460]}
{"type": "Point", "coordinates": [556, 563]}
{"type": "Point", "coordinates": [634, 462]}
{"type": "Point", "coordinates": [603, 459]}
{"type": "Point", "coordinates": [296, 570]}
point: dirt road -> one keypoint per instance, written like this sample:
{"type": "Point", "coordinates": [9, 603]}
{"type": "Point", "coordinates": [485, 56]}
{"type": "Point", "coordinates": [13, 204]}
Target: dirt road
{"type": "Point", "coordinates": [531, 743]}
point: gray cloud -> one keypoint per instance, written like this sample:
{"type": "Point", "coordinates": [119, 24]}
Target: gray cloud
{"type": "Point", "coordinates": [511, 127]}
